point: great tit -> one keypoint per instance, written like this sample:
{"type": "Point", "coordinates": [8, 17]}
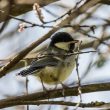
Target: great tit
{"type": "Point", "coordinates": [53, 65]}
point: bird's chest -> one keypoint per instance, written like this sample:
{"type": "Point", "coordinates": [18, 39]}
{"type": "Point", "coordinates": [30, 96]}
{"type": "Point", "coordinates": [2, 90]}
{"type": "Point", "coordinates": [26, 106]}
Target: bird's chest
{"type": "Point", "coordinates": [59, 73]}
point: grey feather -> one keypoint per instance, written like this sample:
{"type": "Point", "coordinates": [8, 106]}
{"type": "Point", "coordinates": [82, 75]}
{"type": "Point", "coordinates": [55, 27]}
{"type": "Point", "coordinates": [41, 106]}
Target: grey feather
{"type": "Point", "coordinates": [39, 64]}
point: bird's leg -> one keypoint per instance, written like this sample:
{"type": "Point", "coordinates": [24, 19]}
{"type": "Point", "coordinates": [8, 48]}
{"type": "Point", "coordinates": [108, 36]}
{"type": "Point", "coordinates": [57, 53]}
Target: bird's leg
{"type": "Point", "coordinates": [63, 88]}
{"type": "Point", "coordinates": [57, 81]}
{"type": "Point", "coordinates": [44, 88]}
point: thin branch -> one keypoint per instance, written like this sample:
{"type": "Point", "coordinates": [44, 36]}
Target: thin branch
{"type": "Point", "coordinates": [67, 13]}
{"type": "Point", "coordinates": [48, 26]}
{"type": "Point", "coordinates": [54, 94]}
{"type": "Point", "coordinates": [77, 3]}
{"type": "Point", "coordinates": [79, 82]}
{"type": "Point", "coordinates": [68, 54]}
{"type": "Point", "coordinates": [37, 9]}
{"type": "Point", "coordinates": [90, 44]}
{"type": "Point", "coordinates": [91, 36]}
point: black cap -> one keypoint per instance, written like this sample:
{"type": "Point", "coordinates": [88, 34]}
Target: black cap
{"type": "Point", "coordinates": [60, 37]}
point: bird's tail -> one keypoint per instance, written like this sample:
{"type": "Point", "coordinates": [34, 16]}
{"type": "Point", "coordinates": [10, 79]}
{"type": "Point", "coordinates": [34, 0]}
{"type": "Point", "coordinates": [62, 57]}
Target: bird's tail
{"type": "Point", "coordinates": [26, 72]}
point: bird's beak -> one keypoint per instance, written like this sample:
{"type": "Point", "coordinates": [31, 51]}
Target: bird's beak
{"type": "Point", "coordinates": [74, 41]}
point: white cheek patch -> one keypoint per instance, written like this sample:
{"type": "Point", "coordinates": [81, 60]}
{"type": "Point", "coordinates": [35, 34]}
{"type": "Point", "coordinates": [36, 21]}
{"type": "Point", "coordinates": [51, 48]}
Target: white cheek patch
{"type": "Point", "coordinates": [62, 45]}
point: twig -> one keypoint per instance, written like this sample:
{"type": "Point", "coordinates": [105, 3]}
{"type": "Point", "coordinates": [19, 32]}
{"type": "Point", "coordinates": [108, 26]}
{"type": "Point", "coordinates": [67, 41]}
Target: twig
{"type": "Point", "coordinates": [90, 44]}
{"type": "Point", "coordinates": [79, 82]}
{"type": "Point", "coordinates": [36, 8]}
{"type": "Point", "coordinates": [22, 20]}
{"type": "Point", "coordinates": [78, 3]}
{"type": "Point", "coordinates": [47, 26]}
{"type": "Point", "coordinates": [99, 39]}
{"type": "Point", "coordinates": [68, 54]}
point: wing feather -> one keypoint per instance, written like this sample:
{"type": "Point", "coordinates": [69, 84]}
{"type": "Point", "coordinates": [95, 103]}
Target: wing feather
{"type": "Point", "coordinates": [39, 64]}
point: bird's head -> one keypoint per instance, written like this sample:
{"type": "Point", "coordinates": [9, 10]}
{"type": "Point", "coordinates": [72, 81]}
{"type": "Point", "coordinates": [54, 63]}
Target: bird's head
{"type": "Point", "coordinates": [63, 41]}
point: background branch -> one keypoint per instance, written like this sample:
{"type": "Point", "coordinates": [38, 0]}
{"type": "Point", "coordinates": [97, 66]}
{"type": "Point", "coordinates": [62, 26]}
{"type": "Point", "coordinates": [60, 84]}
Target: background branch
{"type": "Point", "coordinates": [20, 6]}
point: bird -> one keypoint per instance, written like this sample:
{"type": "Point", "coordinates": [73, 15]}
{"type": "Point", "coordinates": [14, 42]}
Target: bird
{"type": "Point", "coordinates": [53, 65]}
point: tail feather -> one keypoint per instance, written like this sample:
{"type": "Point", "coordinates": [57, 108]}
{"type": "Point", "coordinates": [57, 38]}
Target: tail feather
{"type": "Point", "coordinates": [27, 72]}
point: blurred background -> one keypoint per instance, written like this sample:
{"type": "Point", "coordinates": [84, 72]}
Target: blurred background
{"type": "Point", "coordinates": [93, 67]}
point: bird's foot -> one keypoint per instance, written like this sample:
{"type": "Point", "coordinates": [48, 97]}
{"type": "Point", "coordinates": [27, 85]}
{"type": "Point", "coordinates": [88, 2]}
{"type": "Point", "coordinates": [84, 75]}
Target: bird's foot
{"type": "Point", "coordinates": [63, 89]}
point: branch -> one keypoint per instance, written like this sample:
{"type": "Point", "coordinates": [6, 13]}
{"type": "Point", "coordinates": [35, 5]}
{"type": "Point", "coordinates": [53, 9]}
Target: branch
{"type": "Point", "coordinates": [53, 94]}
{"type": "Point", "coordinates": [107, 2]}
{"type": "Point", "coordinates": [92, 104]}
{"type": "Point", "coordinates": [24, 52]}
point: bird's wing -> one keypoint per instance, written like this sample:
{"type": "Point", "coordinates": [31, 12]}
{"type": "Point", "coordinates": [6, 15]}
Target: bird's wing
{"type": "Point", "coordinates": [39, 64]}
{"type": "Point", "coordinates": [46, 61]}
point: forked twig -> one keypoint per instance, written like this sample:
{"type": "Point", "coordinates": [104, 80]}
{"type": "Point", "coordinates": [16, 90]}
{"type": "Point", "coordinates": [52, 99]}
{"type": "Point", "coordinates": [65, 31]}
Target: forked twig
{"type": "Point", "coordinates": [79, 82]}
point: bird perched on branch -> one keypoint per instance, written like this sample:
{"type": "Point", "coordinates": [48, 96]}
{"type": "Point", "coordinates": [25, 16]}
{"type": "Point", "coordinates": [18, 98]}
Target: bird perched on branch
{"type": "Point", "coordinates": [53, 65]}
